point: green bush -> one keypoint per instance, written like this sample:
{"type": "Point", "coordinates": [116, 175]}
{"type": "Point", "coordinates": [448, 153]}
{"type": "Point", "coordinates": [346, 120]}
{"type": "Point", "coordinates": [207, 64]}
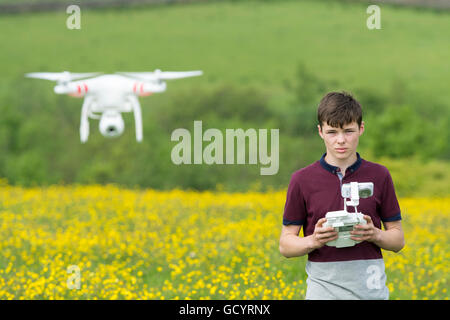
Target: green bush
{"type": "Point", "coordinates": [414, 178]}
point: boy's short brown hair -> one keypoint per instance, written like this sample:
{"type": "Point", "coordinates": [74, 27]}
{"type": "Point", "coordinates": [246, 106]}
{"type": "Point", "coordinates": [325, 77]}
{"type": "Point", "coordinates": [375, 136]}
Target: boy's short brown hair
{"type": "Point", "coordinates": [338, 109]}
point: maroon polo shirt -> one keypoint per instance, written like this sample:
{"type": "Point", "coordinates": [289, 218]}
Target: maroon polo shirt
{"type": "Point", "coordinates": [316, 189]}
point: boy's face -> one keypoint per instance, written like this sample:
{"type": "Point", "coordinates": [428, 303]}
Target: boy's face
{"type": "Point", "coordinates": [341, 143]}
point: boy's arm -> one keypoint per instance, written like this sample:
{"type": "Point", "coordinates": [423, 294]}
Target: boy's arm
{"type": "Point", "coordinates": [291, 245]}
{"type": "Point", "coordinates": [391, 238]}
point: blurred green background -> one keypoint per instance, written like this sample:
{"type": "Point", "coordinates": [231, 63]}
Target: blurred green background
{"type": "Point", "coordinates": [266, 65]}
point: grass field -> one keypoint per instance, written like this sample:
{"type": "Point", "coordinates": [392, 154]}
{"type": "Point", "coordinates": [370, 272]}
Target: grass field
{"type": "Point", "coordinates": [184, 245]}
{"type": "Point", "coordinates": [251, 43]}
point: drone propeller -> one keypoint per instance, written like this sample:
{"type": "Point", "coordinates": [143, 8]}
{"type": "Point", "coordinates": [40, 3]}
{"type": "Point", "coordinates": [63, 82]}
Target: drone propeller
{"type": "Point", "coordinates": [158, 75]}
{"type": "Point", "coordinates": [65, 76]}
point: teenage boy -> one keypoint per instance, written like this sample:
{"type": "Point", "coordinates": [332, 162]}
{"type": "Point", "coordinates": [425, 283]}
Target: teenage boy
{"type": "Point", "coordinates": [356, 272]}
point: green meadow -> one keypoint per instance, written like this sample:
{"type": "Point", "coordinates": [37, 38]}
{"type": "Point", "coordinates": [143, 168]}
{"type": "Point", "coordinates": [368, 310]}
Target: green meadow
{"type": "Point", "coordinates": [265, 64]}
{"type": "Point", "coordinates": [241, 43]}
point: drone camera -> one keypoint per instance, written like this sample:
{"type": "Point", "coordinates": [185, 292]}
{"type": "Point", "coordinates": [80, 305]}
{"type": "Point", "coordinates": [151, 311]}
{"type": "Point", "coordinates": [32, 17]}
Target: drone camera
{"type": "Point", "coordinates": [111, 124]}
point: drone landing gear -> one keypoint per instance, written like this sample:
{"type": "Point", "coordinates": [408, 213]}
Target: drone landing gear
{"type": "Point", "coordinates": [137, 117]}
{"type": "Point", "coordinates": [84, 123]}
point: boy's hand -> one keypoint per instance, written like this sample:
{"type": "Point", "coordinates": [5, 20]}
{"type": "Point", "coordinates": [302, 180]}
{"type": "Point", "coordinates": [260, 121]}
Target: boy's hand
{"type": "Point", "coordinates": [322, 235]}
{"type": "Point", "coordinates": [365, 232]}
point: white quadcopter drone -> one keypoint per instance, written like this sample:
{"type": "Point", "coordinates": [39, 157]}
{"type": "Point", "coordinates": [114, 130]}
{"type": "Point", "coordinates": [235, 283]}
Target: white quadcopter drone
{"type": "Point", "coordinates": [110, 95]}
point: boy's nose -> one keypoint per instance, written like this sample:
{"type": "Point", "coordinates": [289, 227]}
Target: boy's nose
{"type": "Point", "coordinates": [341, 138]}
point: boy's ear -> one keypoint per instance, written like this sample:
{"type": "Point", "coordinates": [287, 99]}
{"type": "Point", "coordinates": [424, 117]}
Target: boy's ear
{"type": "Point", "coordinates": [361, 128]}
{"type": "Point", "coordinates": [320, 130]}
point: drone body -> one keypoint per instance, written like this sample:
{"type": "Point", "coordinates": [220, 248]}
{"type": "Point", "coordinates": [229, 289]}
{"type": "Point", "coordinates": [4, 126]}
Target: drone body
{"type": "Point", "coordinates": [107, 96]}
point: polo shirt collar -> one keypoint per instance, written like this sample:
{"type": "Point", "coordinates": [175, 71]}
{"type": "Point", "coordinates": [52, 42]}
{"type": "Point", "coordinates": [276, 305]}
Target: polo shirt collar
{"type": "Point", "coordinates": [334, 169]}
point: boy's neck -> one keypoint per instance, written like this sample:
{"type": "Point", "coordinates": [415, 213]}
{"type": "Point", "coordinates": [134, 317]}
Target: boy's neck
{"type": "Point", "coordinates": [342, 164]}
